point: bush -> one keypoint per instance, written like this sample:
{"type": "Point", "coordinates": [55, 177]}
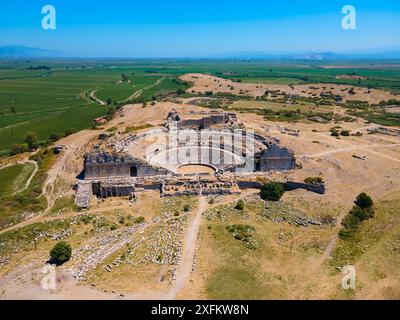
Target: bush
{"type": "Point", "coordinates": [139, 220]}
{"type": "Point", "coordinates": [122, 220]}
{"type": "Point", "coordinates": [351, 222]}
{"type": "Point", "coordinates": [60, 253]}
{"type": "Point", "coordinates": [70, 131]}
{"type": "Point", "coordinates": [240, 205]}
{"type": "Point", "coordinates": [54, 137]}
{"type": "Point", "coordinates": [186, 208]}
{"type": "Point", "coordinates": [314, 180]}
{"type": "Point", "coordinates": [345, 234]}
{"type": "Point", "coordinates": [363, 210]}
{"type": "Point", "coordinates": [362, 214]}
{"type": "Point", "coordinates": [364, 201]}
{"type": "Point", "coordinates": [345, 133]}
{"type": "Point", "coordinates": [31, 139]}
{"type": "Point", "coordinates": [272, 191]}
{"type": "Point", "coordinates": [334, 133]}
{"type": "Point", "coordinates": [18, 148]}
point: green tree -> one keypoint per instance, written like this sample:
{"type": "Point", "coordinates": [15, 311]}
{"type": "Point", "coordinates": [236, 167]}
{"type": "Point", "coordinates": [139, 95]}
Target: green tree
{"type": "Point", "coordinates": [54, 137]}
{"type": "Point", "coordinates": [362, 214]}
{"type": "Point", "coordinates": [70, 131]}
{"type": "Point", "coordinates": [351, 222]}
{"type": "Point", "coordinates": [364, 201]}
{"type": "Point", "coordinates": [272, 191]}
{"type": "Point", "coordinates": [60, 253]}
{"type": "Point", "coordinates": [18, 148]}
{"type": "Point", "coordinates": [31, 139]}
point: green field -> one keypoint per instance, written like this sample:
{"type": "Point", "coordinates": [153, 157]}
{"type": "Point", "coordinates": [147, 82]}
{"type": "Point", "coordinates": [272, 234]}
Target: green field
{"type": "Point", "coordinates": [15, 207]}
{"type": "Point", "coordinates": [14, 178]}
{"type": "Point", "coordinates": [47, 101]}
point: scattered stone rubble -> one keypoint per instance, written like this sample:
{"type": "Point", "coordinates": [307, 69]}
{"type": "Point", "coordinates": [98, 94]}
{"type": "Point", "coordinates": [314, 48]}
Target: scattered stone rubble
{"type": "Point", "coordinates": [281, 212]}
{"type": "Point", "coordinates": [98, 249]}
{"type": "Point", "coordinates": [199, 188]}
{"type": "Point", "coordinates": [161, 245]}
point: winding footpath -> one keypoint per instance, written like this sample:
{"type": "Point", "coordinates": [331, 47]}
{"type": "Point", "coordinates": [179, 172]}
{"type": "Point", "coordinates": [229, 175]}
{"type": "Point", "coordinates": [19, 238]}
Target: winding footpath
{"type": "Point", "coordinates": [93, 97]}
{"type": "Point", "coordinates": [189, 249]}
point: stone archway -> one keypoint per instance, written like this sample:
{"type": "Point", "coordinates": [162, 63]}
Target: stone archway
{"type": "Point", "coordinates": [133, 170]}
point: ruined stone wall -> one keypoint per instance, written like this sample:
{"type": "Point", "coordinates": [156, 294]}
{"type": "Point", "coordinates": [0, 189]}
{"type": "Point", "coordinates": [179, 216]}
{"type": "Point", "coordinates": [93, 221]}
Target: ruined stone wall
{"type": "Point", "coordinates": [115, 169]}
{"type": "Point", "coordinates": [104, 170]}
{"type": "Point", "coordinates": [115, 191]}
{"type": "Point", "coordinates": [277, 164]}
{"type": "Point", "coordinates": [317, 188]}
{"type": "Point", "coordinates": [203, 123]}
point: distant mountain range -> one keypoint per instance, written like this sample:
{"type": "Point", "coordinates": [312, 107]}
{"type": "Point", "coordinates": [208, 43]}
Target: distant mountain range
{"type": "Point", "coordinates": [392, 53]}
{"type": "Point", "coordinates": [27, 52]}
{"type": "Point", "coordinates": [316, 56]}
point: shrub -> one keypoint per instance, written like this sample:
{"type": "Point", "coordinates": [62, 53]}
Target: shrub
{"type": "Point", "coordinates": [361, 214]}
{"type": "Point", "coordinates": [345, 234]}
{"type": "Point", "coordinates": [122, 220]}
{"type": "Point", "coordinates": [345, 133]}
{"type": "Point", "coordinates": [54, 137]}
{"type": "Point", "coordinates": [364, 201]}
{"type": "Point", "coordinates": [31, 139]}
{"type": "Point", "coordinates": [60, 253]}
{"type": "Point", "coordinates": [314, 180]}
{"type": "Point", "coordinates": [334, 133]}
{"type": "Point", "coordinates": [139, 220]}
{"type": "Point", "coordinates": [351, 221]}
{"type": "Point", "coordinates": [186, 208]}
{"type": "Point", "coordinates": [240, 205]}
{"type": "Point", "coordinates": [18, 148]}
{"type": "Point", "coordinates": [272, 191]}
{"type": "Point", "coordinates": [70, 131]}
{"type": "Point", "coordinates": [363, 210]}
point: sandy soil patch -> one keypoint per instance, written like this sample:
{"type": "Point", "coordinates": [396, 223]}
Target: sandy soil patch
{"type": "Point", "coordinates": [203, 83]}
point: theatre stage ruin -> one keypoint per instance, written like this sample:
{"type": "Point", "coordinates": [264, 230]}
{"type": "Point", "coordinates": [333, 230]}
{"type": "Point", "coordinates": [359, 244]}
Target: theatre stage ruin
{"type": "Point", "coordinates": [191, 154]}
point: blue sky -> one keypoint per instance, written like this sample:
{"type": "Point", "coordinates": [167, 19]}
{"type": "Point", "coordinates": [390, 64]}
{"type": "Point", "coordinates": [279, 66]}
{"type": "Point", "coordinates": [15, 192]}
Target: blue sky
{"type": "Point", "coordinates": [155, 28]}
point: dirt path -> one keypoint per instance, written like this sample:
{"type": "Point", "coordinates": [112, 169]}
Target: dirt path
{"type": "Point", "coordinates": [93, 97]}
{"type": "Point", "coordinates": [72, 144]}
{"type": "Point", "coordinates": [359, 147]}
{"type": "Point", "coordinates": [137, 93]}
{"type": "Point", "coordinates": [28, 182]}
{"type": "Point", "coordinates": [185, 268]}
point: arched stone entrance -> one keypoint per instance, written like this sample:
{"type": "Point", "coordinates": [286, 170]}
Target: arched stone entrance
{"type": "Point", "coordinates": [133, 171]}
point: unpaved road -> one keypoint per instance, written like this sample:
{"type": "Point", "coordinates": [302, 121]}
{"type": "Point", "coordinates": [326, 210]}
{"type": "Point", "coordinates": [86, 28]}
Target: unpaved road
{"type": "Point", "coordinates": [365, 148]}
{"type": "Point", "coordinates": [189, 248]}
{"type": "Point", "coordinates": [93, 97]}
{"type": "Point", "coordinates": [136, 94]}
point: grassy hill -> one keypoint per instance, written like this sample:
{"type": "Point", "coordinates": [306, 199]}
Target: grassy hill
{"type": "Point", "coordinates": [375, 253]}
